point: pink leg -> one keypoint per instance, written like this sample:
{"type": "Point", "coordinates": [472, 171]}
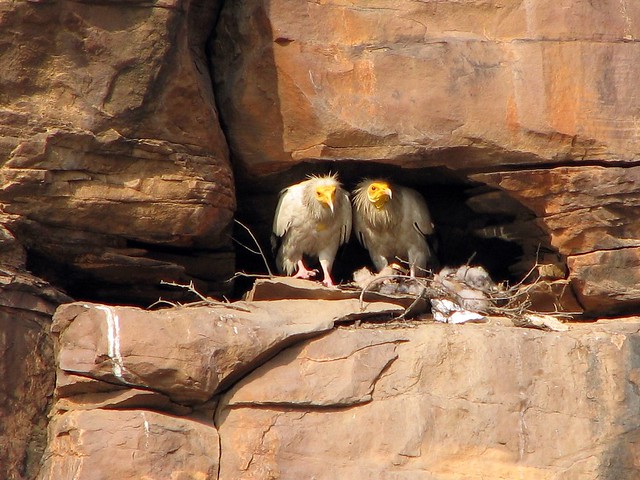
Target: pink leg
{"type": "Point", "coordinates": [303, 272]}
{"type": "Point", "coordinates": [328, 281]}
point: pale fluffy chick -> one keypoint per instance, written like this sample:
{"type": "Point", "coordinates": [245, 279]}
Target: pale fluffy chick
{"type": "Point", "coordinates": [391, 222]}
{"type": "Point", "coordinates": [312, 218]}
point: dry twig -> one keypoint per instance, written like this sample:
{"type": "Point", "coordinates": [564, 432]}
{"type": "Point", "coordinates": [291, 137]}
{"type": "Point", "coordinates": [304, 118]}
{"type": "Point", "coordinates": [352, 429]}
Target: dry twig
{"type": "Point", "coordinates": [255, 240]}
{"type": "Point", "coordinates": [203, 300]}
{"type": "Point", "coordinates": [513, 302]}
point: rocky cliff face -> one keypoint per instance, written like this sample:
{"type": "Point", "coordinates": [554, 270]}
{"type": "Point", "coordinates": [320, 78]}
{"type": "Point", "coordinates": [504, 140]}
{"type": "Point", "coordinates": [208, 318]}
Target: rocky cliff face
{"type": "Point", "coordinates": [119, 123]}
{"type": "Point", "coordinates": [114, 167]}
{"type": "Point", "coordinates": [532, 98]}
{"type": "Point", "coordinates": [326, 399]}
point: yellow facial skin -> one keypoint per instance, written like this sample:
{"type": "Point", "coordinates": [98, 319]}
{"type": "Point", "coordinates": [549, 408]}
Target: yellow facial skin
{"type": "Point", "coordinates": [379, 193]}
{"type": "Point", "coordinates": [326, 194]}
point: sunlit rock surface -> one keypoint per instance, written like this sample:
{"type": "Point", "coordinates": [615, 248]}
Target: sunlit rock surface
{"type": "Point", "coordinates": [317, 388]}
{"type": "Point", "coordinates": [469, 401]}
{"type": "Point", "coordinates": [516, 88]}
{"type": "Point", "coordinates": [110, 146]}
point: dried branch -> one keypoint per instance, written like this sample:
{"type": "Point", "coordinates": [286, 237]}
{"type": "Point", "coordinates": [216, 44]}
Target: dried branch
{"type": "Point", "coordinates": [203, 300]}
{"type": "Point", "coordinates": [255, 240]}
{"type": "Point", "coordinates": [248, 275]}
{"type": "Point", "coordinates": [426, 285]}
{"type": "Point", "coordinates": [160, 301]}
{"type": "Point", "coordinates": [409, 309]}
{"type": "Point", "coordinates": [191, 287]}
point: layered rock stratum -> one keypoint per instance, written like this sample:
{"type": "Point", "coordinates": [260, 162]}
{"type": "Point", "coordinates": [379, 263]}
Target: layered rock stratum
{"type": "Point", "coordinates": [114, 166]}
{"type": "Point", "coordinates": [259, 389]}
{"type": "Point", "coordinates": [131, 133]}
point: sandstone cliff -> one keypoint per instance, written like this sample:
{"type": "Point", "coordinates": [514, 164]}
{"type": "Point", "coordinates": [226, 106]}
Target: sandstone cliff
{"type": "Point", "coordinates": [115, 169]}
{"type": "Point", "coordinates": [319, 397]}
{"type": "Point", "coordinates": [131, 133]}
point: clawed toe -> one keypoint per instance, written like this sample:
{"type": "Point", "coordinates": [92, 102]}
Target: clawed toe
{"type": "Point", "coordinates": [306, 274]}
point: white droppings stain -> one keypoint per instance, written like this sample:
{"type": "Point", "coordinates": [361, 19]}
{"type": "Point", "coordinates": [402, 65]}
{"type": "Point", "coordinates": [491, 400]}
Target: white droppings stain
{"type": "Point", "coordinates": [313, 82]}
{"type": "Point", "coordinates": [628, 34]}
{"type": "Point", "coordinates": [147, 430]}
{"type": "Point", "coordinates": [618, 340]}
{"type": "Point", "coordinates": [113, 339]}
{"type": "Point", "coordinates": [235, 329]}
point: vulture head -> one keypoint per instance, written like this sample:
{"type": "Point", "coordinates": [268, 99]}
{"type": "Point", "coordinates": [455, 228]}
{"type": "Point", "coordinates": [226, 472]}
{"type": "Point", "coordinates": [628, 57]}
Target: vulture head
{"type": "Point", "coordinates": [325, 193]}
{"type": "Point", "coordinates": [379, 193]}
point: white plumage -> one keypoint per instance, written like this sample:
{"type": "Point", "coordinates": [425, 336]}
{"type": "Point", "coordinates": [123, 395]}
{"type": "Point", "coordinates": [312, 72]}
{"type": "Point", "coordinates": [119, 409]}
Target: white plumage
{"type": "Point", "coordinates": [312, 218]}
{"type": "Point", "coordinates": [391, 222]}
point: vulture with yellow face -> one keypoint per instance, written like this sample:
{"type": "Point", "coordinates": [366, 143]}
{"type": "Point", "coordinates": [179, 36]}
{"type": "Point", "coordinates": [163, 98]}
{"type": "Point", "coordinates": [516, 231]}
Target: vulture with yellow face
{"type": "Point", "coordinates": [391, 222]}
{"type": "Point", "coordinates": [312, 218]}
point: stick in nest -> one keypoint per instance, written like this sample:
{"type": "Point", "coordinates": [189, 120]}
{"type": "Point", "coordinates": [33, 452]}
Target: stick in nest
{"type": "Point", "coordinates": [420, 295]}
{"type": "Point", "coordinates": [516, 299]}
{"type": "Point", "coordinates": [203, 300]}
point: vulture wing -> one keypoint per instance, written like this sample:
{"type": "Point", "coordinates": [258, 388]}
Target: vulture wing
{"type": "Point", "coordinates": [415, 210]}
{"type": "Point", "coordinates": [344, 215]}
{"type": "Point", "coordinates": [289, 207]}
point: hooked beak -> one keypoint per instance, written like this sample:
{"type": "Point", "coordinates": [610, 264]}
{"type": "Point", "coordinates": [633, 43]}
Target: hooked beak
{"type": "Point", "coordinates": [327, 196]}
{"type": "Point", "coordinates": [388, 193]}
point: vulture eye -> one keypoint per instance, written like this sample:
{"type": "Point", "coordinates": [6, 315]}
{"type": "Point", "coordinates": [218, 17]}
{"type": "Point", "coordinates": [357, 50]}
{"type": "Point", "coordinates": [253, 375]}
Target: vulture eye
{"type": "Point", "coordinates": [373, 188]}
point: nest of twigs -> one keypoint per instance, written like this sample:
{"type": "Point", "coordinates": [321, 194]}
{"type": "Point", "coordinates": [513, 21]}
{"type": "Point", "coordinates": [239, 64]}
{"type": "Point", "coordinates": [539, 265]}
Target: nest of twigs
{"type": "Point", "coordinates": [468, 293]}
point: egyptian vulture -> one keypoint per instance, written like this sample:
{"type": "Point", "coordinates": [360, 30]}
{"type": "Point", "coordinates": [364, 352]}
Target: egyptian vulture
{"type": "Point", "coordinates": [391, 222]}
{"type": "Point", "coordinates": [312, 218]}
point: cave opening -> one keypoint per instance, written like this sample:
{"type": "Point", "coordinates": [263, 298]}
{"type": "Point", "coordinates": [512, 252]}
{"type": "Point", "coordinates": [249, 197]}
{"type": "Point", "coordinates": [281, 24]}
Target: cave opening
{"type": "Point", "coordinates": [474, 223]}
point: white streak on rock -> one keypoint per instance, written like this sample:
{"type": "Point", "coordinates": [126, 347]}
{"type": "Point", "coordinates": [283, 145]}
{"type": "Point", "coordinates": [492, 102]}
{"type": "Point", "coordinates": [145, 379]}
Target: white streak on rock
{"type": "Point", "coordinates": [113, 338]}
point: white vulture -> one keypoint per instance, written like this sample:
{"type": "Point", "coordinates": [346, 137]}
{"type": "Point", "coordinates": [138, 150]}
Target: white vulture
{"type": "Point", "coordinates": [312, 218]}
{"type": "Point", "coordinates": [391, 222]}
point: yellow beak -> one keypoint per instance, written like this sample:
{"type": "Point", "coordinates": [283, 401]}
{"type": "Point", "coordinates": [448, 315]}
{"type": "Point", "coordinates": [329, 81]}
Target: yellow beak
{"type": "Point", "coordinates": [327, 194]}
{"type": "Point", "coordinates": [379, 193]}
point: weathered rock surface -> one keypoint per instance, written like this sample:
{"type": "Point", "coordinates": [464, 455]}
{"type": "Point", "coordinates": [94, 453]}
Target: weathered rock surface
{"type": "Point", "coordinates": [114, 175]}
{"type": "Point", "coordinates": [339, 372]}
{"type": "Point", "coordinates": [261, 390]}
{"type": "Point", "coordinates": [93, 444]}
{"type": "Point", "coordinates": [464, 85]}
{"type": "Point", "coordinates": [188, 353]}
{"type": "Point", "coordinates": [516, 88]}
{"type": "Point", "coordinates": [26, 369]}
{"type": "Point", "coordinates": [588, 212]}
{"type": "Point", "coordinates": [141, 384]}
{"type": "Point", "coordinates": [110, 147]}
{"type": "Point", "coordinates": [469, 401]}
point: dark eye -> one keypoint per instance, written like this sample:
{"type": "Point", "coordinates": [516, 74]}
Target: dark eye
{"type": "Point", "coordinates": [374, 188]}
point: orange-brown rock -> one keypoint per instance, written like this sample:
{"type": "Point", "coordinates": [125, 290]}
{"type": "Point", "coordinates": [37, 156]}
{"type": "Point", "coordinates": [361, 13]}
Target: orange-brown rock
{"type": "Point", "coordinates": [515, 87]}
{"type": "Point", "coordinates": [27, 370]}
{"type": "Point", "coordinates": [187, 353]}
{"type": "Point", "coordinates": [90, 444]}
{"type": "Point", "coordinates": [141, 384]}
{"type": "Point", "coordinates": [341, 372]}
{"type": "Point", "coordinates": [277, 389]}
{"type": "Point", "coordinates": [469, 401]}
{"type": "Point", "coordinates": [590, 214]}
{"type": "Point", "coordinates": [110, 146]}
{"type": "Point", "coordinates": [607, 281]}
{"type": "Point", "coordinates": [464, 85]}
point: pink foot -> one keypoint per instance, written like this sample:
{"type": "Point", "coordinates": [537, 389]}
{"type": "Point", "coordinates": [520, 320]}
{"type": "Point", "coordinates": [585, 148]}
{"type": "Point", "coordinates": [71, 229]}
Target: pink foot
{"type": "Point", "coordinates": [326, 267]}
{"type": "Point", "coordinates": [305, 273]}
{"type": "Point", "coordinates": [327, 282]}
